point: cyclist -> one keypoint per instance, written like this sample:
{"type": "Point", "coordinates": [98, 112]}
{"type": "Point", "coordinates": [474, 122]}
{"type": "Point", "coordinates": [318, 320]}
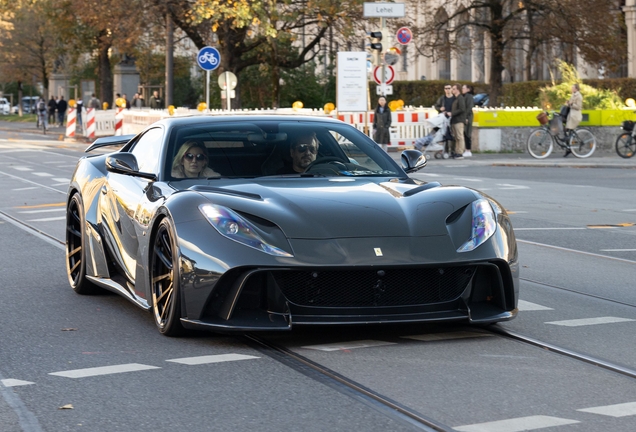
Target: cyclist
{"type": "Point", "coordinates": [42, 115]}
{"type": "Point", "coordinates": [575, 115]}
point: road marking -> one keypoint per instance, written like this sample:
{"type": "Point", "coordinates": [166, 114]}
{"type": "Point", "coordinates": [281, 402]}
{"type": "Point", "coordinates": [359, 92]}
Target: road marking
{"type": "Point", "coordinates": [104, 370]}
{"type": "Point", "coordinates": [517, 424]}
{"type": "Point", "coordinates": [432, 337]}
{"type": "Point", "coordinates": [507, 186]}
{"type": "Point", "coordinates": [22, 168]}
{"type": "Point", "coordinates": [43, 211]}
{"type": "Point", "coordinates": [546, 229]}
{"type": "Point", "coordinates": [467, 179]}
{"type": "Point", "coordinates": [60, 204]}
{"type": "Point", "coordinates": [630, 210]}
{"type": "Point", "coordinates": [589, 321]}
{"type": "Point", "coordinates": [575, 251]}
{"type": "Point", "coordinates": [42, 174]}
{"type": "Point", "coordinates": [10, 382]}
{"type": "Point", "coordinates": [429, 174]}
{"type": "Point", "coordinates": [26, 188]}
{"type": "Point", "coordinates": [63, 180]}
{"type": "Point", "coordinates": [527, 306]}
{"type": "Point", "coordinates": [47, 219]}
{"type": "Point", "coordinates": [211, 359]}
{"type": "Point", "coordinates": [53, 162]}
{"type": "Point", "coordinates": [348, 345]}
{"type": "Point", "coordinates": [618, 410]}
{"type": "Point", "coordinates": [516, 212]}
{"type": "Point", "coordinates": [618, 250]}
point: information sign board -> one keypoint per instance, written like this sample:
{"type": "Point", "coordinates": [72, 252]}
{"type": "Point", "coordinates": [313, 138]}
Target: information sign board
{"type": "Point", "coordinates": [351, 91]}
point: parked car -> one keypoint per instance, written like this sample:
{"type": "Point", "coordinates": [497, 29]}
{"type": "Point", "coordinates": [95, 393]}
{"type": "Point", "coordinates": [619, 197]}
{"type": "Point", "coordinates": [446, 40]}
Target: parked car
{"type": "Point", "coordinates": [5, 107]}
{"type": "Point", "coordinates": [28, 104]}
{"type": "Point", "coordinates": [256, 244]}
{"type": "Point", "coordinates": [481, 100]}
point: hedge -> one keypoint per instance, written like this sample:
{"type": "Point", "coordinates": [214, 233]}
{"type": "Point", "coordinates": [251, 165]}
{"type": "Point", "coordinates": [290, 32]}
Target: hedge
{"type": "Point", "coordinates": [425, 93]}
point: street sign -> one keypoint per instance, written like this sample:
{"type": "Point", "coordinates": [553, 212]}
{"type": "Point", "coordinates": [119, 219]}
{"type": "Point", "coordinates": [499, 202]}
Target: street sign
{"type": "Point", "coordinates": [384, 10]}
{"type": "Point", "coordinates": [404, 36]}
{"type": "Point", "coordinates": [389, 74]}
{"type": "Point", "coordinates": [227, 79]}
{"type": "Point", "coordinates": [384, 90]}
{"type": "Point", "coordinates": [391, 58]}
{"type": "Point", "coordinates": [209, 58]}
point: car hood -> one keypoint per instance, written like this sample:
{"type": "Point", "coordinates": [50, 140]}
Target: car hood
{"type": "Point", "coordinates": [344, 208]}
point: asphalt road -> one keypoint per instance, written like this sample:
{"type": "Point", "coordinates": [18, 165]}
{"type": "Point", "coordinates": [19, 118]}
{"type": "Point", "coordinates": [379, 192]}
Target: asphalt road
{"type": "Point", "coordinates": [577, 242]}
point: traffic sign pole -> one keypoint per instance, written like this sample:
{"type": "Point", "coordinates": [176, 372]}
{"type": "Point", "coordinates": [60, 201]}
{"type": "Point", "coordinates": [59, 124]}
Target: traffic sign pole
{"type": "Point", "coordinates": [207, 90]}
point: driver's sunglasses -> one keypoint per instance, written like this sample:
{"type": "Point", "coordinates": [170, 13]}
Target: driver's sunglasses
{"type": "Point", "coordinates": [199, 157]}
{"type": "Point", "coordinates": [302, 148]}
{"type": "Point", "coordinates": [447, 88]}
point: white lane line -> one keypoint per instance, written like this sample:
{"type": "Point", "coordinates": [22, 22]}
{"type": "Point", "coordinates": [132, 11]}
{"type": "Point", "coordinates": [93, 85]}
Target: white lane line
{"type": "Point", "coordinates": [42, 174]}
{"type": "Point", "coordinates": [589, 321]}
{"type": "Point", "coordinates": [429, 174]}
{"type": "Point", "coordinates": [60, 184]}
{"type": "Point", "coordinates": [547, 229]}
{"type": "Point", "coordinates": [19, 168]}
{"type": "Point", "coordinates": [47, 219]}
{"type": "Point", "coordinates": [104, 370]}
{"type": "Point", "coordinates": [211, 359]}
{"type": "Point", "coordinates": [517, 424]}
{"type": "Point", "coordinates": [507, 186]}
{"type": "Point", "coordinates": [31, 182]}
{"type": "Point", "coordinates": [618, 410]}
{"type": "Point", "coordinates": [467, 179]}
{"type": "Point", "coordinates": [53, 162]}
{"type": "Point", "coordinates": [59, 179]}
{"type": "Point", "coordinates": [348, 345]}
{"type": "Point", "coordinates": [618, 250]}
{"type": "Point", "coordinates": [630, 210]}
{"type": "Point", "coordinates": [10, 382]}
{"type": "Point", "coordinates": [26, 188]}
{"type": "Point", "coordinates": [43, 211]}
{"type": "Point", "coordinates": [516, 212]}
{"type": "Point", "coordinates": [527, 306]}
{"type": "Point", "coordinates": [575, 251]}
{"type": "Point", "coordinates": [432, 337]}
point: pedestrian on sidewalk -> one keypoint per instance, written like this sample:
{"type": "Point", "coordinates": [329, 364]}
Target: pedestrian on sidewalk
{"type": "Point", "coordinates": [94, 102]}
{"type": "Point", "coordinates": [79, 106]}
{"type": "Point", "coordinates": [155, 100]}
{"type": "Point", "coordinates": [444, 103]}
{"type": "Point", "coordinates": [458, 121]}
{"type": "Point", "coordinates": [468, 94]}
{"type": "Point", "coordinates": [52, 107]}
{"type": "Point", "coordinates": [382, 124]}
{"type": "Point", "coordinates": [61, 110]}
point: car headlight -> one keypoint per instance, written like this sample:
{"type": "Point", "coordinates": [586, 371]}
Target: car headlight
{"type": "Point", "coordinates": [484, 225]}
{"type": "Point", "coordinates": [229, 224]}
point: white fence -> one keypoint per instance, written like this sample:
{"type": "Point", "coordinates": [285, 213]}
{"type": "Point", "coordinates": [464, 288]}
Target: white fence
{"type": "Point", "coordinates": [407, 125]}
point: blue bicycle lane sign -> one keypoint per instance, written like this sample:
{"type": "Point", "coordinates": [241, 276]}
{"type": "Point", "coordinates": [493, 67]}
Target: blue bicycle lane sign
{"type": "Point", "coordinates": [209, 58]}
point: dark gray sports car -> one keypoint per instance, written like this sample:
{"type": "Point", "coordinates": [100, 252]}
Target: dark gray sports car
{"type": "Point", "coordinates": [266, 222]}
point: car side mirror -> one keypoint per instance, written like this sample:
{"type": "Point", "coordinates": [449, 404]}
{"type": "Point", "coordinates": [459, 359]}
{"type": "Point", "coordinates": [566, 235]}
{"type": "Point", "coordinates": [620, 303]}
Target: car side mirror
{"type": "Point", "coordinates": [126, 163]}
{"type": "Point", "coordinates": [413, 160]}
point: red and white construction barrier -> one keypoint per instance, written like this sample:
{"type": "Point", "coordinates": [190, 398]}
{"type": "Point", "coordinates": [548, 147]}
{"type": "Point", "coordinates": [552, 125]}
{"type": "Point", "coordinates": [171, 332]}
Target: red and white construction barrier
{"type": "Point", "coordinates": [119, 121]}
{"type": "Point", "coordinates": [71, 122]}
{"type": "Point", "coordinates": [90, 123]}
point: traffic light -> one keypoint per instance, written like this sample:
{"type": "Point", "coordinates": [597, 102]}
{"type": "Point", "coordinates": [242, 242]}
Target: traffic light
{"type": "Point", "coordinates": [376, 47]}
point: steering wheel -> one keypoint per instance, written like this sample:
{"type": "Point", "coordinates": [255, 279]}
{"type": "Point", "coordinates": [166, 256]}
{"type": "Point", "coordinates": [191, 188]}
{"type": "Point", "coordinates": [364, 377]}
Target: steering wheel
{"type": "Point", "coordinates": [326, 160]}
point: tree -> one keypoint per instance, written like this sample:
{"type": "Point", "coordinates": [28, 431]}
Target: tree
{"type": "Point", "coordinates": [570, 23]}
{"type": "Point", "coordinates": [28, 47]}
{"type": "Point", "coordinates": [281, 34]}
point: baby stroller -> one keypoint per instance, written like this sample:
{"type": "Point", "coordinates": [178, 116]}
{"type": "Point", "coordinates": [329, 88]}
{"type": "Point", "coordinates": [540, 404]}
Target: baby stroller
{"type": "Point", "coordinates": [434, 142]}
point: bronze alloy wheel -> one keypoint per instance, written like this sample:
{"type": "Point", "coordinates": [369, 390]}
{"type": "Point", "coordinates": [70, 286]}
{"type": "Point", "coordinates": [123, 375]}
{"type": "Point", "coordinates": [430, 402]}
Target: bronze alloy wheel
{"type": "Point", "coordinates": [164, 277]}
{"type": "Point", "coordinates": [75, 265]}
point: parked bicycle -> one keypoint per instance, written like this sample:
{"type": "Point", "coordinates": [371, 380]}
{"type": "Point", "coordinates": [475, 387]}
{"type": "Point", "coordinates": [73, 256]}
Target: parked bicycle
{"type": "Point", "coordinates": [580, 142]}
{"type": "Point", "coordinates": [626, 142]}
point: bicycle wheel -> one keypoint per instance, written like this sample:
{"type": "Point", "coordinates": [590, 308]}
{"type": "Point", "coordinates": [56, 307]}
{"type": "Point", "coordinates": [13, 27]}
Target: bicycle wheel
{"type": "Point", "coordinates": [540, 144]}
{"type": "Point", "coordinates": [625, 145]}
{"type": "Point", "coordinates": [582, 143]}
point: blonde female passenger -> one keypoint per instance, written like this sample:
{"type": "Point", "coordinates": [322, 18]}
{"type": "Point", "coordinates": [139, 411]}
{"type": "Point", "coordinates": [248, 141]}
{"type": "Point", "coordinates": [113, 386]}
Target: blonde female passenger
{"type": "Point", "coordinates": [191, 161]}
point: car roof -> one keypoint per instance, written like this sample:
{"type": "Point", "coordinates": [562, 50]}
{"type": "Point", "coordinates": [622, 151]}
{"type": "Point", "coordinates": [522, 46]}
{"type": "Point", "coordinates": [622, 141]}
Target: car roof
{"type": "Point", "coordinates": [201, 119]}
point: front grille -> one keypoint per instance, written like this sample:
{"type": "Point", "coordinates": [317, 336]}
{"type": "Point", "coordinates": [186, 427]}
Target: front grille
{"type": "Point", "coordinates": [373, 287]}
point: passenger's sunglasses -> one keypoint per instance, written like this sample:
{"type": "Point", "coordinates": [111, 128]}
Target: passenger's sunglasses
{"type": "Point", "coordinates": [199, 157]}
{"type": "Point", "coordinates": [447, 88]}
{"type": "Point", "coordinates": [302, 148]}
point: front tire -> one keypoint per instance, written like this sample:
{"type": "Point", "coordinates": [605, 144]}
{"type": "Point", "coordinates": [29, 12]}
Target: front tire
{"type": "Point", "coordinates": [625, 145]}
{"type": "Point", "coordinates": [582, 143]}
{"type": "Point", "coordinates": [75, 247]}
{"type": "Point", "coordinates": [164, 280]}
{"type": "Point", "coordinates": [540, 144]}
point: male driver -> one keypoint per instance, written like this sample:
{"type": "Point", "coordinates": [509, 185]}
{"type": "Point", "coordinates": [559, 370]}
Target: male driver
{"type": "Point", "coordinates": [303, 152]}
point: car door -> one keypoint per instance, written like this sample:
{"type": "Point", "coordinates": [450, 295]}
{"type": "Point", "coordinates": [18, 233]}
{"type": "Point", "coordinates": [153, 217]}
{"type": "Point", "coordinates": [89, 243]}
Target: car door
{"type": "Point", "coordinates": [125, 205]}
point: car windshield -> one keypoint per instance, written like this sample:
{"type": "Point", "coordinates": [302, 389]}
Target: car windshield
{"type": "Point", "coordinates": [262, 148]}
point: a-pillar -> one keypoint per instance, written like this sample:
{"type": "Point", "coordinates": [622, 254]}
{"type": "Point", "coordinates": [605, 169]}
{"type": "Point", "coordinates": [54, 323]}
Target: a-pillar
{"type": "Point", "coordinates": [630, 23]}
